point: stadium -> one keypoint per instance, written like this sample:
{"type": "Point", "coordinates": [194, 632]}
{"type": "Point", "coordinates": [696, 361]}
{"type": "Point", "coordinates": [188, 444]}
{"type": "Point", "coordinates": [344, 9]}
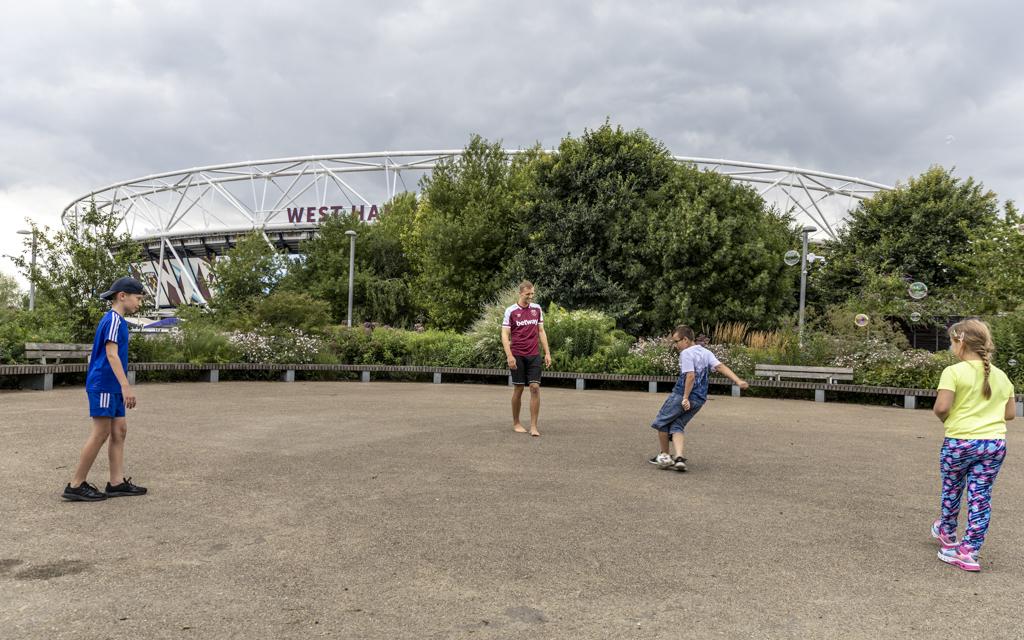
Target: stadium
{"type": "Point", "coordinates": [185, 219]}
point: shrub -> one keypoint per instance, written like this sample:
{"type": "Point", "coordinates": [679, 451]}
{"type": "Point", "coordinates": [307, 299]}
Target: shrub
{"type": "Point", "coordinates": [293, 309]}
{"type": "Point", "coordinates": [485, 333]}
{"type": "Point", "coordinates": [1008, 334]}
{"type": "Point", "coordinates": [18, 326]}
{"type": "Point", "coordinates": [440, 349]}
{"type": "Point", "coordinates": [164, 347]}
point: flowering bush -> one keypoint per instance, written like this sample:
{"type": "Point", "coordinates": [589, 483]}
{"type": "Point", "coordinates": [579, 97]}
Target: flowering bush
{"type": "Point", "coordinates": [651, 356]}
{"type": "Point", "coordinates": [262, 345]}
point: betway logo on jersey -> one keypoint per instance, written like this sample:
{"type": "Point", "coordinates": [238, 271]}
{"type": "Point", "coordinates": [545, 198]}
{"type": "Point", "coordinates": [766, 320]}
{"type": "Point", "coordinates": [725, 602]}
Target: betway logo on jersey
{"type": "Point", "coordinates": [523, 323]}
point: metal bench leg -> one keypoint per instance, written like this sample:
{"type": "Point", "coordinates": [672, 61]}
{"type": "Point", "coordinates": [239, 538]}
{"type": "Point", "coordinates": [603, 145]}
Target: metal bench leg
{"type": "Point", "coordinates": [580, 384]}
{"type": "Point", "coordinates": [819, 395]}
{"type": "Point", "coordinates": [1020, 409]}
{"type": "Point", "coordinates": [652, 387]}
{"type": "Point", "coordinates": [213, 375]}
{"type": "Point", "coordinates": [289, 376]}
{"type": "Point", "coordinates": [437, 378]}
{"type": "Point", "coordinates": [131, 377]}
{"type": "Point", "coordinates": [909, 402]}
{"type": "Point", "coordinates": [735, 391]}
{"type": "Point", "coordinates": [364, 376]}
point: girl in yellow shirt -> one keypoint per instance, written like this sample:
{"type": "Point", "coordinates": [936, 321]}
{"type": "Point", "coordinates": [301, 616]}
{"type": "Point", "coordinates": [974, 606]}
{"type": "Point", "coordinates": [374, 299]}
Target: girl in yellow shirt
{"type": "Point", "coordinates": [974, 402]}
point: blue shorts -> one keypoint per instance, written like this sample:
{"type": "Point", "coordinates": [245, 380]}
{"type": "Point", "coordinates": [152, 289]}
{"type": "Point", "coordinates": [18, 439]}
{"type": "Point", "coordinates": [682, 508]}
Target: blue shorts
{"type": "Point", "coordinates": [671, 418]}
{"type": "Point", "coordinates": [105, 405]}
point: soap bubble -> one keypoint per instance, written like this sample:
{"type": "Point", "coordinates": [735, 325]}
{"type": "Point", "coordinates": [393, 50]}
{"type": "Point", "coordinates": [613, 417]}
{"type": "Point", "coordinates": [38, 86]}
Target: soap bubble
{"type": "Point", "coordinates": [915, 317]}
{"type": "Point", "coordinates": [861, 320]}
{"type": "Point", "coordinates": [950, 139]}
{"type": "Point", "coordinates": [1020, 228]}
{"type": "Point", "coordinates": [792, 257]}
{"type": "Point", "coordinates": [918, 290]}
{"type": "Point", "coordinates": [1012, 362]}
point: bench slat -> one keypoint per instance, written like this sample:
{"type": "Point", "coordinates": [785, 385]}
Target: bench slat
{"type": "Point", "coordinates": [787, 368]}
{"type": "Point", "coordinates": [56, 346]}
{"type": "Point", "coordinates": [58, 354]}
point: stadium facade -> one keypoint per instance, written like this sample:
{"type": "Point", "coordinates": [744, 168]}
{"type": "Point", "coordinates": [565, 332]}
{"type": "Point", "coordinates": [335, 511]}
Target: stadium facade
{"type": "Point", "coordinates": [185, 219]}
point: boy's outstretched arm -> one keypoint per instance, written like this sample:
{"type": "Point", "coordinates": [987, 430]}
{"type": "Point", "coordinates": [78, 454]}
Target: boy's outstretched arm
{"type": "Point", "coordinates": [727, 372]}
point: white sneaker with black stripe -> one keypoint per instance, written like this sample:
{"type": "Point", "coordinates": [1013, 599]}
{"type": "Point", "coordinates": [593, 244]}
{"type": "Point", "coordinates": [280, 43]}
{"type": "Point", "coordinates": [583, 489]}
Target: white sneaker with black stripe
{"type": "Point", "coordinates": [662, 460]}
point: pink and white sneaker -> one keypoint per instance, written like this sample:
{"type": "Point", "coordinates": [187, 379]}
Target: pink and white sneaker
{"type": "Point", "coordinates": [963, 557]}
{"type": "Point", "coordinates": [948, 541]}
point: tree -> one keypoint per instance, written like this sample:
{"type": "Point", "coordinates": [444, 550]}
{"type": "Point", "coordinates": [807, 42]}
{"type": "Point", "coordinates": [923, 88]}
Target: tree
{"type": "Point", "coordinates": [715, 251]}
{"type": "Point", "coordinates": [617, 225]}
{"type": "Point", "coordinates": [588, 223]}
{"type": "Point", "coordinates": [992, 279]}
{"type": "Point", "coordinates": [921, 231]}
{"type": "Point", "coordinates": [78, 263]}
{"type": "Point", "coordinates": [383, 275]}
{"type": "Point", "coordinates": [10, 293]}
{"type": "Point", "coordinates": [467, 228]}
{"type": "Point", "coordinates": [245, 274]}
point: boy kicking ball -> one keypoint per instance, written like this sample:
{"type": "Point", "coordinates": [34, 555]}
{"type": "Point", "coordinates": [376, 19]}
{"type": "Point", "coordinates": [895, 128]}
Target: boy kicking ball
{"type": "Point", "coordinates": [688, 395]}
{"type": "Point", "coordinates": [109, 393]}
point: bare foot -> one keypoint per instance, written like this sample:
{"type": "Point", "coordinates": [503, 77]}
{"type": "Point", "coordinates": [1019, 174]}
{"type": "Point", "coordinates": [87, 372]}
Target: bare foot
{"type": "Point", "coordinates": [534, 432]}
{"type": "Point", "coordinates": [518, 428]}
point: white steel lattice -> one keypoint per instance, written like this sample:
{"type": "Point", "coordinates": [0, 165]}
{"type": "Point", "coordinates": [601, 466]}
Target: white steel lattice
{"type": "Point", "coordinates": [185, 218]}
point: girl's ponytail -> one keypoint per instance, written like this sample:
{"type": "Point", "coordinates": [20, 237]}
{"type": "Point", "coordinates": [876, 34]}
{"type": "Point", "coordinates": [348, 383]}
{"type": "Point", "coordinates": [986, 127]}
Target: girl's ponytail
{"type": "Point", "coordinates": [986, 389]}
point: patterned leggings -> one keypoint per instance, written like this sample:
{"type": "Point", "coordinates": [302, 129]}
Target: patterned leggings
{"type": "Point", "coordinates": [976, 463]}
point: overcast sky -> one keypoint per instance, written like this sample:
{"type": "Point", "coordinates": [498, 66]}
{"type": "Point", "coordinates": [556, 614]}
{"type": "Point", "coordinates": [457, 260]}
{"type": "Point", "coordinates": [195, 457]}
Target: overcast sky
{"type": "Point", "coordinates": [93, 93]}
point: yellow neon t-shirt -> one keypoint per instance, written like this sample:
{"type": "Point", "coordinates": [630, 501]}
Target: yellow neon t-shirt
{"type": "Point", "coordinates": [972, 417]}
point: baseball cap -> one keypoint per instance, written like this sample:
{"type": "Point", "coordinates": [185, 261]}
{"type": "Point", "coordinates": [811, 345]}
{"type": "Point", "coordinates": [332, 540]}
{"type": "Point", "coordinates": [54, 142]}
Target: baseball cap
{"type": "Point", "coordinates": [128, 285]}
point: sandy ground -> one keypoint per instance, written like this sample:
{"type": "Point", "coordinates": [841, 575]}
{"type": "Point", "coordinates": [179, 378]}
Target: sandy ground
{"type": "Point", "coordinates": [411, 510]}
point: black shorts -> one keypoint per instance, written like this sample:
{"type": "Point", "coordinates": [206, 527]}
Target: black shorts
{"type": "Point", "coordinates": [527, 369]}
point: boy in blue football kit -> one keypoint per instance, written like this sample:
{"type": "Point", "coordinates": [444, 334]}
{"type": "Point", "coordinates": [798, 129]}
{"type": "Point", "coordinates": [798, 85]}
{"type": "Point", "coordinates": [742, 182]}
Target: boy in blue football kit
{"type": "Point", "coordinates": [109, 393]}
{"type": "Point", "coordinates": [688, 395]}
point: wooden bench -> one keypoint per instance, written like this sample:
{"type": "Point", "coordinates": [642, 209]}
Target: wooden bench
{"type": "Point", "coordinates": [829, 375]}
{"type": "Point", "coordinates": [55, 352]}
{"type": "Point", "coordinates": [52, 353]}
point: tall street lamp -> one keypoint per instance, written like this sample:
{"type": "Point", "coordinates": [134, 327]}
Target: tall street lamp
{"type": "Point", "coordinates": [791, 259]}
{"type": "Point", "coordinates": [32, 269]}
{"type": "Point", "coordinates": [351, 269]}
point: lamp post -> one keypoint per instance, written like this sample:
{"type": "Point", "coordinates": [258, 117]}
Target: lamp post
{"type": "Point", "coordinates": [803, 281]}
{"type": "Point", "coordinates": [351, 269]}
{"type": "Point", "coordinates": [32, 269]}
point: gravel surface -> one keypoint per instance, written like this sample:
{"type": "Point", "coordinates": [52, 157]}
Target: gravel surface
{"type": "Point", "coordinates": [411, 510]}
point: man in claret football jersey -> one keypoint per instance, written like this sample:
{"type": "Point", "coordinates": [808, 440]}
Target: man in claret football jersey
{"type": "Point", "coordinates": [522, 333]}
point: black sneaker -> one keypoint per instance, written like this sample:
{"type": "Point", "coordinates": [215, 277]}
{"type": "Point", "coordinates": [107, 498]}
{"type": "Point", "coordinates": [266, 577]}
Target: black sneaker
{"type": "Point", "coordinates": [679, 464]}
{"type": "Point", "coordinates": [84, 492]}
{"type": "Point", "coordinates": [126, 488]}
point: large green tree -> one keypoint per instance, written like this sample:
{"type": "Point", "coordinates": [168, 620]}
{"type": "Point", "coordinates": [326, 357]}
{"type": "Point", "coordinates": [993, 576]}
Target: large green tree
{"type": "Point", "coordinates": [382, 290]}
{"type": "Point", "coordinates": [589, 219]}
{"type": "Point", "coordinates": [715, 254]}
{"type": "Point", "coordinates": [467, 227]}
{"type": "Point", "coordinates": [77, 263]}
{"type": "Point", "coordinates": [920, 231]}
{"type": "Point", "coordinates": [616, 224]}
{"type": "Point", "coordinates": [992, 270]}
{"type": "Point", "coordinates": [246, 274]}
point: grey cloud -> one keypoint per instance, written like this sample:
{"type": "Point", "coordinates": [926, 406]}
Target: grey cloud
{"type": "Point", "coordinates": [93, 93]}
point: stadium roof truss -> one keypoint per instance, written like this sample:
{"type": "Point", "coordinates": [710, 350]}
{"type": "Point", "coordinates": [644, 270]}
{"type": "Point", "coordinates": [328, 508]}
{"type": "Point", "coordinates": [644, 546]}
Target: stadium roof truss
{"type": "Point", "coordinates": [196, 213]}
